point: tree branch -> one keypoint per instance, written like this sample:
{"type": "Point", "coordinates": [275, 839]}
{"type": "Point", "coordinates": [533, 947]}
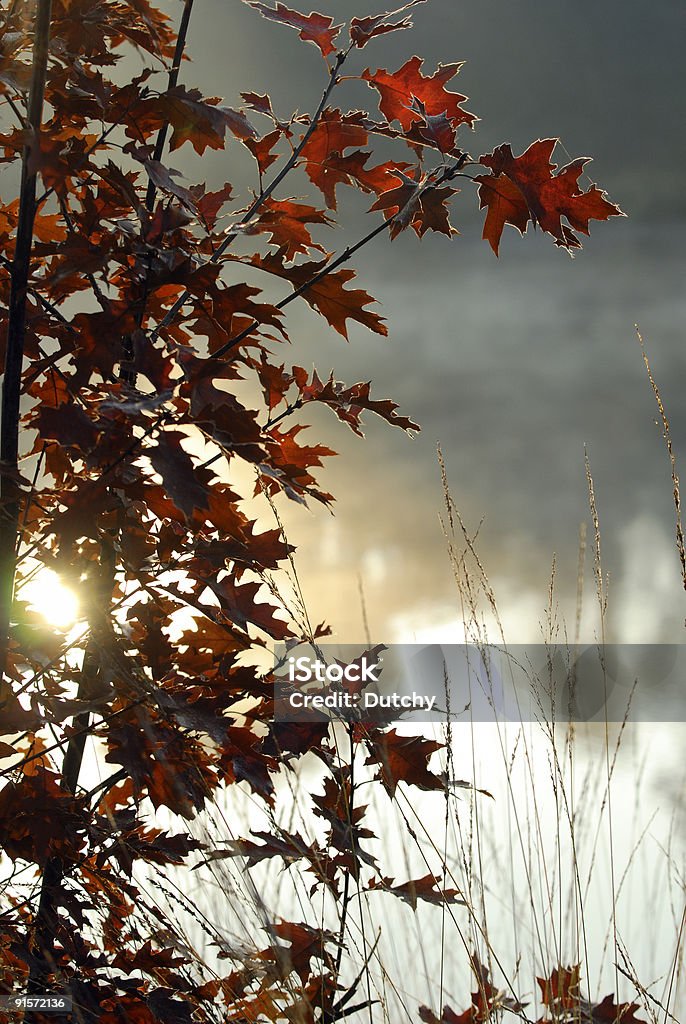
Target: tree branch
{"type": "Point", "coordinates": [11, 391]}
{"type": "Point", "coordinates": [173, 79]}
{"type": "Point", "coordinates": [265, 193]}
{"type": "Point", "coordinates": [446, 175]}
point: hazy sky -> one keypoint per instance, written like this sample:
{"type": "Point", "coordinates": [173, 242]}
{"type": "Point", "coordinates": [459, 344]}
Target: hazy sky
{"type": "Point", "coordinates": [608, 78]}
{"type": "Point", "coordinates": [514, 365]}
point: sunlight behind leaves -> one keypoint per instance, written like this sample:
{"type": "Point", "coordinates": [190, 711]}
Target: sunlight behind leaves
{"type": "Point", "coordinates": [51, 598]}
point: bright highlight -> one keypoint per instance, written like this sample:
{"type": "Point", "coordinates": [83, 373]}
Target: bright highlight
{"type": "Point", "coordinates": [48, 596]}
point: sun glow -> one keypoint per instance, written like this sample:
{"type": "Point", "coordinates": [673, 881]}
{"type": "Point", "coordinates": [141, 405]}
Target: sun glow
{"type": "Point", "coordinates": [52, 599]}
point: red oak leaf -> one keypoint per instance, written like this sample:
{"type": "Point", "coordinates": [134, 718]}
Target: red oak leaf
{"type": "Point", "coordinates": [262, 148]}
{"type": "Point", "coordinates": [175, 466]}
{"type": "Point", "coordinates": [285, 221]}
{"type": "Point", "coordinates": [403, 759]}
{"type": "Point", "coordinates": [240, 606]}
{"type": "Point", "coordinates": [262, 104]}
{"type": "Point", "coordinates": [546, 196]}
{"type": "Point", "coordinates": [289, 846]}
{"type": "Point", "coordinates": [275, 381]}
{"type": "Point", "coordinates": [335, 132]}
{"type": "Point", "coordinates": [305, 941]}
{"type": "Point", "coordinates": [210, 203]}
{"type": "Point", "coordinates": [561, 990]}
{"type": "Point", "coordinates": [418, 889]}
{"type": "Point", "coordinates": [312, 28]}
{"type": "Point", "coordinates": [364, 29]}
{"type": "Point", "coordinates": [327, 294]}
{"type": "Point", "coordinates": [163, 178]}
{"type": "Point", "coordinates": [193, 118]}
{"type": "Point", "coordinates": [609, 1012]}
{"type": "Point", "coordinates": [434, 129]}
{"type": "Point", "coordinates": [351, 169]}
{"type": "Point", "coordinates": [418, 203]}
{"type": "Point", "coordinates": [398, 89]}
{"type": "Point", "coordinates": [349, 402]}
{"type": "Point", "coordinates": [292, 462]}
{"type": "Point", "coordinates": [485, 1003]}
{"type": "Point", "coordinates": [505, 205]}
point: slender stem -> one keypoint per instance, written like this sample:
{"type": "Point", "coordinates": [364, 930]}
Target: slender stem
{"type": "Point", "coordinates": [11, 391]}
{"type": "Point", "coordinates": [265, 193]}
{"type": "Point", "coordinates": [16, 111]}
{"type": "Point", "coordinates": [129, 374]}
{"type": "Point", "coordinates": [346, 884]}
{"type": "Point", "coordinates": [446, 175]}
{"type": "Point", "coordinates": [173, 79]}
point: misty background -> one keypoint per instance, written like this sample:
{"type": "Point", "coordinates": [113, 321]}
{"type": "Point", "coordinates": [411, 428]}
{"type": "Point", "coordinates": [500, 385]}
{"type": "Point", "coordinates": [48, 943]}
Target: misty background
{"type": "Point", "coordinates": [515, 364]}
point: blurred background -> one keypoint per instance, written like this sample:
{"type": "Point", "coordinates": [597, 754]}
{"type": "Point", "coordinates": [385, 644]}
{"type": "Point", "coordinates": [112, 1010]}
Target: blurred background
{"type": "Point", "coordinates": [517, 367]}
{"type": "Point", "coordinates": [513, 365]}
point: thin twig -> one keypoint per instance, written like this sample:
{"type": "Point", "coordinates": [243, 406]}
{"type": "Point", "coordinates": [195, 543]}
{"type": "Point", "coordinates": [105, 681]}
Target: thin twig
{"type": "Point", "coordinates": [666, 433]}
{"type": "Point", "coordinates": [265, 193]}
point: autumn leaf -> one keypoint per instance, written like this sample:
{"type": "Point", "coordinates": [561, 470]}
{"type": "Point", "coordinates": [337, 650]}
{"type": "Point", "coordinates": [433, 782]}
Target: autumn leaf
{"type": "Point", "coordinates": [15, 75]}
{"type": "Point", "coordinates": [37, 818]}
{"type": "Point", "coordinates": [291, 463]}
{"type": "Point", "coordinates": [398, 89]}
{"type": "Point", "coordinates": [487, 1002]}
{"type": "Point", "coordinates": [175, 466]}
{"type": "Point", "coordinates": [210, 636]}
{"type": "Point", "coordinates": [275, 381]}
{"type": "Point", "coordinates": [262, 149]}
{"type": "Point", "coordinates": [285, 221]}
{"type": "Point", "coordinates": [424, 888]}
{"type": "Point", "coordinates": [609, 1012]}
{"type": "Point", "coordinates": [210, 203]}
{"type": "Point", "coordinates": [350, 402]}
{"type": "Point", "coordinates": [364, 29]}
{"type": "Point", "coordinates": [351, 169]}
{"type": "Point", "coordinates": [537, 191]}
{"type": "Point", "coordinates": [305, 943]}
{"type": "Point", "coordinates": [240, 606]}
{"type": "Point", "coordinates": [416, 202]}
{"type": "Point", "coordinates": [435, 130]}
{"type": "Point", "coordinates": [261, 103]}
{"type": "Point", "coordinates": [326, 292]}
{"type": "Point", "coordinates": [313, 28]}
{"type": "Point", "coordinates": [193, 118]}
{"type": "Point", "coordinates": [333, 134]}
{"type": "Point", "coordinates": [163, 178]}
{"type": "Point", "coordinates": [289, 847]}
{"type": "Point", "coordinates": [230, 310]}
{"type": "Point", "coordinates": [403, 759]}
{"type": "Point", "coordinates": [560, 991]}
{"type": "Point", "coordinates": [335, 805]}
{"type": "Point", "coordinates": [504, 204]}
{"type": "Point", "coordinates": [68, 424]}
